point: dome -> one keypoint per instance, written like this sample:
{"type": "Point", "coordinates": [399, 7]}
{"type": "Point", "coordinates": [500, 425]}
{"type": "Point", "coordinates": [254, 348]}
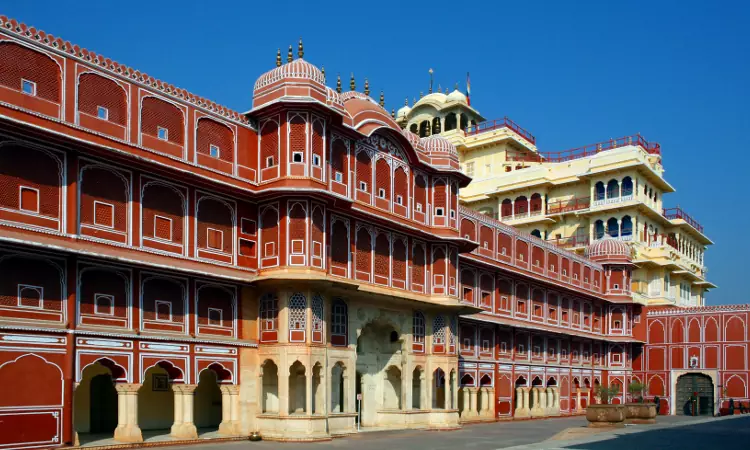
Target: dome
{"type": "Point", "coordinates": [608, 249]}
{"type": "Point", "coordinates": [438, 144]}
{"type": "Point", "coordinates": [411, 137]}
{"type": "Point", "coordinates": [403, 112]}
{"type": "Point", "coordinates": [456, 96]}
{"type": "Point", "coordinates": [299, 68]}
{"type": "Point", "coordinates": [435, 97]}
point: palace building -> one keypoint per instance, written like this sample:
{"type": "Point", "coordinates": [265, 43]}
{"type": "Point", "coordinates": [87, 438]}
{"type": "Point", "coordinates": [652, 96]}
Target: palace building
{"type": "Point", "coordinates": [171, 269]}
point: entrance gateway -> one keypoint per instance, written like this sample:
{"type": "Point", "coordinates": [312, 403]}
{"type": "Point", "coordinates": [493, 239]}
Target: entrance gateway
{"type": "Point", "coordinates": [688, 386]}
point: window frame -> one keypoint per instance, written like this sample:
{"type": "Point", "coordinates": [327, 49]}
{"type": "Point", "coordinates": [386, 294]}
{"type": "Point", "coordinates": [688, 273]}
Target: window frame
{"type": "Point", "coordinates": [31, 84]}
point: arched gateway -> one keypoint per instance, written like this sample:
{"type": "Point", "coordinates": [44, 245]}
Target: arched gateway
{"type": "Point", "coordinates": [379, 350]}
{"type": "Point", "coordinates": [693, 385]}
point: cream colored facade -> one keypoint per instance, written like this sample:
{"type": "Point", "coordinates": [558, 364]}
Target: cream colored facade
{"type": "Point", "coordinates": [573, 198]}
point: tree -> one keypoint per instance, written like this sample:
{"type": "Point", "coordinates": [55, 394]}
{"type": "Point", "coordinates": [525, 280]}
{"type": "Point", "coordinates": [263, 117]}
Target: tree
{"type": "Point", "coordinates": [606, 393]}
{"type": "Point", "coordinates": [637, 389]}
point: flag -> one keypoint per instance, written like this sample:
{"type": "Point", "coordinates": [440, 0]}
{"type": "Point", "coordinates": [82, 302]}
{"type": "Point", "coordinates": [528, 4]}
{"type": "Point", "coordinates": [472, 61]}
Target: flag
{"type": "Point", "coordinates": [468, 89]}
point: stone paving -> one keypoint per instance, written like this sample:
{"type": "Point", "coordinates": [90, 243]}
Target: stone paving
{"type": "Point", "coordinates": [678, 432]}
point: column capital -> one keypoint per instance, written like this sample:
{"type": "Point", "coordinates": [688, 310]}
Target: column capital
{"type": "Point", "coordinates": [231, 389]}
{"type": "Point", "coordinates": [184, 388]}
{"type": "Point", "coordinates": [127, 387]}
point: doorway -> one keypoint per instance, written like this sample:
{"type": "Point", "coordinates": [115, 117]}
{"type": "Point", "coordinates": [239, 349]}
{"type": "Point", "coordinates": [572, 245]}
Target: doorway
{"type": "Point", "coordinates": [695, 383]}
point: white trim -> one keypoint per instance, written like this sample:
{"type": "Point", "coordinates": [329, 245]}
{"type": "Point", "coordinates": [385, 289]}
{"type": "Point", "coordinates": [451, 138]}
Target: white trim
{"type": "Point", "coordinates": [171, 226]}
{"type": "Point", "coordinates": [38, 289]}
{"type": "Point", "coordinates": [208, 240]}
{"type": "Point", "coordinates": [21, 188]}
{"type": "Point", "coordinates": [254, 225]}
{"type": "Point", "coordinates": [112, 214]}
{"type": "Point", "coordinates": [156, 310]}
{"type": "Point", "coordinates": [32, 84]}
{"type": "Point", "coordinates": [111, 299]}
{"type": "Point", "coordinates": [221, 317]}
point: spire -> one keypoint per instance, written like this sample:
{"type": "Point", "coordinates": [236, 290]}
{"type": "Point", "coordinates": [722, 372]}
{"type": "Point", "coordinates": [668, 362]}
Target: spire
{"type": "Point", "coordinates": [431, 72]}
{"type": "Point", "coordinates": [382, 100]}
{"type": "Point", "coordinates": [278, 57]}
{"type": "Point", "coordinates": [367, 87]}
{"type": "Point", "coordinates": [393, 113]}
{"type": "Point", "coordinates": [352, 84]}
{"type": "Point", "coordinates": [456, 87]}
{"type": "Point", "coordinates": [446, 91]}
{"type": "Point", "coordinates": [421, 94]}
{"type": "Point", "coordinates": [300, 49]}
{"type": "Point", "coordinates": [289, 56]}
{"type": "Point", "coordinates": [338, 83]}
{"type": "Point", "coordinates": [406, 101]}
{"type": "Point", "coordinates": [440, 88]}
{"type": "Point", "coordinates": [323, 71]}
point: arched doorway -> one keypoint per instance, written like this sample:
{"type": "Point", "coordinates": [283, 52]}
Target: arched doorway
{"type": "Point", "coordinates": [95, 401]}
{"type": "Point", "coordinates": [156, 399]}
{"type": "Point", "coordinates": [687, 386]}
{"type": "Point", "coordinates": [207, 412]}
{"type": "Point", "coordinates": [379, 377]}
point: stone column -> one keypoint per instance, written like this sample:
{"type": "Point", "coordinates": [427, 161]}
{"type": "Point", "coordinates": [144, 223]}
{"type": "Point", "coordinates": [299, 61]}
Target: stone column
{"type": "Point", "coordinates": [308, 390]}
{"type": "Point", "coordinates": [578, 400]}
{"type": "Point", "coordinates": [466, 410]}
{"type": "Point", "coordinates": [230, 410]}
{"type": "Point", "coordinates": [522, 402]}
{"type": "Point", "coordinates": [423, 391]}
{"type": "Point", "coordinates": [127, 413]}
{"type": "Point", "coordinates": [183, 426]}
{"type": "Point", "coordinates": [473, 408]}
{"type": "Point", "coordinates": [526, 402]}
{"type": "Point", "coordinates": [536, 410]}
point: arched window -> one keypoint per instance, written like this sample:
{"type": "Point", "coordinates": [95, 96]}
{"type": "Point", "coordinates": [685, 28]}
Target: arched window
{"type": "Point", "coordinates": [436, 125]}
{"type": "Point", "coordinates": [521, 206]}
{"type": "Point", "coordinates": [418, 331]}
{"type": "Point", "coordinates": [414, 128]}
{"type": "Point", "coordinates": [598, 229]}
{"type": "Point", "coordinates": [317, 318]}
{"type": "Point", "coordinates": [297, 317]}
{"type": "Point", "coordinates": [506, 208]}
{"type": "Point", "coordinates": [599, 191]}
{"type": "Point", "coordinates": [424, 128]}
{"type": "Point", "coordinates": [464, 121]}
{"type": "Point", "coordinates": [537, 233]}
{"type": "Point", "coordinates": [269, 316]}
{"type": "Point", "coordinates": [438, 330]}
{"type": "Point", "coordinates": [450, 122]}
{"type": "Point", "coordinates": [339, 322]}
{"type": "Point", "coordinates": [612, 227]}
{"type": "Point", "coordinates": [536, 204]}
{"type": "Point", "coordinates": [613, 189]}
{"type": "Point", "coordinates": [627, 186]}
{"type": "Point", "coordinates": [627, 227]}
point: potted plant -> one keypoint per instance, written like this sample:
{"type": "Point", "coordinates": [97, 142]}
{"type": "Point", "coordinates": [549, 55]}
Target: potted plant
{"type": "Point", "coordinates": [639, 412]}
{"type": "Point", "coordinates": [606, 414]}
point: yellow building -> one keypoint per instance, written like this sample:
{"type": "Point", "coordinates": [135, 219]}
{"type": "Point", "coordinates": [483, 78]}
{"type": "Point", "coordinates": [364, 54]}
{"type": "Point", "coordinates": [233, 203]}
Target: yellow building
{"type": "Point", "coordinates": [573, 197]}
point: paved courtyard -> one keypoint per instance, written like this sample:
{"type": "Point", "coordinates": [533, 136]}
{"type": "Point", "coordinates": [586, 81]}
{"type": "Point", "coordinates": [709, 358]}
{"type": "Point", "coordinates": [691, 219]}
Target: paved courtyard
{"type": "Point", "coordinates": [671, 432]}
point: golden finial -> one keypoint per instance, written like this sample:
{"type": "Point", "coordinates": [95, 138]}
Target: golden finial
{"type": "Point", "coordinates": [338, 83]}
{"type": "Point", "coordinates": [352, 84]}
{"type": "Point", "coordinates": [414, 100]}
{"type": "Point", "coordinates": [367, 87]}
{"type": "Point", "coordinates": [406, 101]}
{"type": "Point", "coordinates": [446, 91]}
{"type": "Point", "coordinates": [300, 49]}
{"type": "Point", "coordinates": [456, 87]}
{"type": "Point", "coordinates": [431, 72]}
{"type": "Point", "coordinates": [382, 100]}
{"type": "Point", "coordinates": [393, 113]}
{"type": "Point", "coordinates": [323, 72]}
{"type": "Point", "coordinates": [289, 56]}
{"type": "Point", "coordinates": [421, 94]}
{"type": "Point", "coordinates": [278, 57]}
{"type": "Point", "coordinates": [440, 88]}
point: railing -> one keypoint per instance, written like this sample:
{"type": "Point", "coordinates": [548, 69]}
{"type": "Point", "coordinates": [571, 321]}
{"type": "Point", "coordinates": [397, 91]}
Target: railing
{"type": "Point", "coordinates": [593, 149]}
{"type": "Point", "coordinates": [496, 124]}
{"type": "Point", "coordinates": [610, 200]}
{"type": "Point", "coordinates": [570, 241]}
{"type": "Point", "coordinates": [662, 239]}
{"type": "Point", "coordinates": [678, 213]}
{"type": "Point", "coordinates": [573, 204]}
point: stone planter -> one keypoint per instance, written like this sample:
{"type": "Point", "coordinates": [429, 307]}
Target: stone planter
{"type": "Point", "coordinates": [606, 415]}
{"type": "Point", "coordinates": [641, 413]}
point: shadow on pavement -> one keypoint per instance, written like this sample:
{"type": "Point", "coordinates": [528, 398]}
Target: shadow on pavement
{"type": "Point", "coordinates": [719, 434]}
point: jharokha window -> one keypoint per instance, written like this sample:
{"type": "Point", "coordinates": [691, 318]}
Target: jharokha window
{"type": "Point", "coordinates": [418, 330]}
{"type": "Point", "coordinates": [269, 316]}
{"type": "Point", "coordinates": [339, 322]}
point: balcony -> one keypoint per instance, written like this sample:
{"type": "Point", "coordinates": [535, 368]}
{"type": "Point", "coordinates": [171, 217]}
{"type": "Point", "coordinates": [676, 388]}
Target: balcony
{"type": "Point", "coordinates": [563, 206]}
{"type": "Point", "coordinates": [678, 213]}
{"type": "Point", "coordinates": [497, 124]}
{"type": "Point", "coordinates": [592, 149]}
{"type": "Point", "coordinates": [613, 200]}
{"type": "Point", "coordinates": [570, 241]}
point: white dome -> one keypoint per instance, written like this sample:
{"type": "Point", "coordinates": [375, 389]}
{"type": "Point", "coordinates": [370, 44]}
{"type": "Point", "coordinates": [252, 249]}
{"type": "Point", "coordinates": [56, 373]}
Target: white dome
{"type": "Point", "coordinates": [403, 112]}
{"type": "Point", "coordinates": [456, 96]}
{"type": "Point", "coordinates": [435, 97]}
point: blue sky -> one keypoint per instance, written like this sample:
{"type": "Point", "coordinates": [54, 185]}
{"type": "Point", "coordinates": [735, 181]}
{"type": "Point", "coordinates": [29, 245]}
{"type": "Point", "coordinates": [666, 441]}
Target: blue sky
{"type": "Point", "coordinates": [572, 73]}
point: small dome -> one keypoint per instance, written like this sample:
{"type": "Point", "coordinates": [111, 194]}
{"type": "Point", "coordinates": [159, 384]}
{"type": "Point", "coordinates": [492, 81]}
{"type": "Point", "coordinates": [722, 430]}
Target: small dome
{"type": "Point", "coordinates": [403, 112]}
{"type": "Point", "coordinates": [608, 249]}
{"type": "Point", "coordinates": [456, 96]}
{"type": "Point", "coordinates": [299, 68]}
{"type": "Point", "coordinates": [435, 97]}
{"type": "Point", "coordinates": [411, 137]}
{"type": "Point", "coordinates": [438, 144]}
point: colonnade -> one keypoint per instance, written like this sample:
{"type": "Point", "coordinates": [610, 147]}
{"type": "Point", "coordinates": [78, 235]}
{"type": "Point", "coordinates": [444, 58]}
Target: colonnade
{"type": "Point", "coordinates": [537, 401]}
{"type": "Point", "coordinates": [183, 426]}
{"type": "Point", "coordinates": [477, 402]}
